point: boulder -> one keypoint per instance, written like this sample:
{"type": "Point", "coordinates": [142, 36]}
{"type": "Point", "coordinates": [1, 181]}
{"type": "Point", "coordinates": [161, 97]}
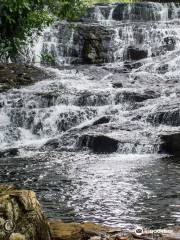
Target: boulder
{"type": "Point", "coordinates": [117, 85]}
{"type": "Point", "coordinates": [170, 43]}
{"type": "Point", "coordinates": [169, 117]}
{"type": "Point", "coordinates": [101, 120]}
{"type": "Point", "coordinates": [129, 65]}
{"type": "Point", "coordinates": [11, 152]}
{"type": "Point", "coordinates": [51, 144]}
{"type": "Point", "coordinates": [81, 231]}
{"type": "Point", "coordinates": [21, 215]}
{"type": "Point", "coordinates": [98, 143]}
{"type": "Point", "coordinates": [170, 144]}
{"type": "Point", "coordinates": [135, 54]}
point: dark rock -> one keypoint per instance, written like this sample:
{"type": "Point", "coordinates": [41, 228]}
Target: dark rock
{"type": "Point", "coordinates": [163, 69]}
{"type": "Point", "coordinates": [98, 143]}
{"type": "Point", "coordinates": [135, 54]}
{"type": "Point", "coordinates": [11, 152]}
{"type": "Point", "coordinates": [170, 144]}
{"type": "Point", "coordinates": [132, 65]}
{"type": "Point", "coordinates": [117, 85]}
{"type": "Point", "coordinates": [170, 118]}
{"type": "Point", "coordinates": [93, 44]}
{"type": "Point", "coordinates": [1, 104]}
{"type": "Point", "coordinates": [170, 43]}
{"type": "Point", "coordinates": [134, 96]}
{"type": "Point", "coordinates": [102, 120]}
{"type": "Point", "coordinates": [87, 98]}
{"type": "Point", "coordinates": [145, 11]}
{"type": "Point", "coordinates": [51, 144]}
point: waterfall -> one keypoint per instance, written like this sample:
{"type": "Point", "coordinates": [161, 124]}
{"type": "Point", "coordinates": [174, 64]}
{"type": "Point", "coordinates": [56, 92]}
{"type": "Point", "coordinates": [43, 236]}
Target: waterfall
{"type": "Point", "coordinates": [91, 135]}
{"type": "Point", "coordinates": [126, 49]}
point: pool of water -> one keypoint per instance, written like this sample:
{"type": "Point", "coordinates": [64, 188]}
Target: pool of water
{"type": "Point", "coordinates": [115, 189]}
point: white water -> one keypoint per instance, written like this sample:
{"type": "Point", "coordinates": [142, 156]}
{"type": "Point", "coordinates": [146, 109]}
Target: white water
{"type": "Point", "coordinates": [120, 188]}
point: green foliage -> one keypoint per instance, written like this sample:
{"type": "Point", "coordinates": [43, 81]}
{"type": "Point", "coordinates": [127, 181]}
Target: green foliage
{"type": "Point", "coordinates": [19, 19]}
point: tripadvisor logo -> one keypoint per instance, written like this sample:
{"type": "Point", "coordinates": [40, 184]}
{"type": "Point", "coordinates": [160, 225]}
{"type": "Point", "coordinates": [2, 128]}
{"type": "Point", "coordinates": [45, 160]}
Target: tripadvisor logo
{"type": "Point", "coordinates": [139, 231]}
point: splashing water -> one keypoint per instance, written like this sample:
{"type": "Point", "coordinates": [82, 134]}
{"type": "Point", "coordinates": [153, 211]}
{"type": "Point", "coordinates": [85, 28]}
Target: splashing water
{"type": "Point", "coordinates": [116, 75]}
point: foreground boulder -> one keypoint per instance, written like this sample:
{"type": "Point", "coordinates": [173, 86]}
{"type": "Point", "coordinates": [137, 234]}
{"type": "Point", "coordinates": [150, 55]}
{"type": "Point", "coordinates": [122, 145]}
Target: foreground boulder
{"type": "Point", "coordinates": [21, 216]}
{"type": "Point", "coordinates": [81, 231]}
{"type": "Point", "coordinates": [170, 144]}
{"type": "Point", "coordinates": [98, 143]}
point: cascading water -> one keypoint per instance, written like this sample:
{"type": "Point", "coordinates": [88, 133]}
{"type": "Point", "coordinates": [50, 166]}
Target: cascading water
{"type": "Point", "coordinates": [115, 85]}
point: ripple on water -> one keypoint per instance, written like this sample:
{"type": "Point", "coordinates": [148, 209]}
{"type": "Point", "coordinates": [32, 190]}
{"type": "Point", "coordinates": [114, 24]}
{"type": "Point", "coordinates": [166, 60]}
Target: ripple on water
{"type": "Point", "coordinates": [112, 189]}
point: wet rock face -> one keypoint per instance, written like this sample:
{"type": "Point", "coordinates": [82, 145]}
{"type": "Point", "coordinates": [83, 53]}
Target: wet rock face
{"type": "Point", "coordinates": [98, 143]}
{"type": "Point", "coordinates": [170, 118]}
{"type": "Point", "coordinates": [91, 14]}
{"type": "Point", "coordinates": [128, 96]}
{"type": "Point", "coordinates": [135, 54]}
{"type": "Point", "coordinates": [93, 44]}
{"type": "Point", "coordinates": [168, 44]}
{"type": "Point", "coordinates": [137, 12]}
{"type": "Point", "coordinates": [21, 216]}
{"type": "Point", "coordinates": [102, 120]}
{"type": "Point", "coordinates": [17, 75]}
{"type": "Point", "coordinates": [171, 144]}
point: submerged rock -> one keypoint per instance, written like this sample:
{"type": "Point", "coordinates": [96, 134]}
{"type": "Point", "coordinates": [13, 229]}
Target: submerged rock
{"type": "Point", "coordinates": [98, 143]}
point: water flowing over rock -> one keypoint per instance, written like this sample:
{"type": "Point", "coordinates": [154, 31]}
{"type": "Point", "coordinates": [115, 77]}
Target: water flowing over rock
{"type": "Point", "coordinates": [109, 93]}
{"type": "Point", "coordinates": [171, 143]}
{"type": "Point", "coordinates": [99, 144]}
